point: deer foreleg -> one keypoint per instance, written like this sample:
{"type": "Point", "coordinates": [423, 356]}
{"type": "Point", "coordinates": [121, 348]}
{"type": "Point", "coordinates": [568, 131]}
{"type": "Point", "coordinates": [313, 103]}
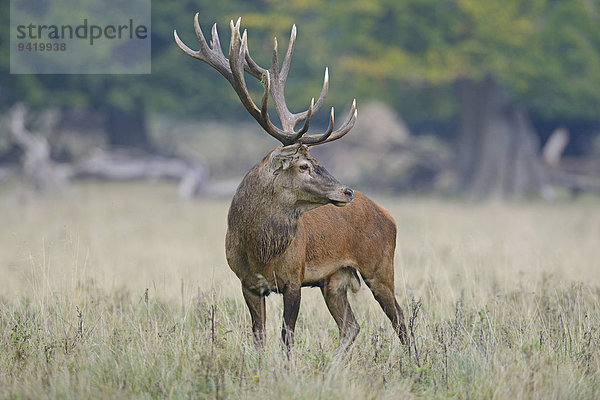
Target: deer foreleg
{"type": "Point", "coordinates": [256, 305]}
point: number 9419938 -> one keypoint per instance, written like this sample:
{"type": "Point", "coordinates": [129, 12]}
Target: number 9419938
{"type": "Point", "coordinates": [39, 47]}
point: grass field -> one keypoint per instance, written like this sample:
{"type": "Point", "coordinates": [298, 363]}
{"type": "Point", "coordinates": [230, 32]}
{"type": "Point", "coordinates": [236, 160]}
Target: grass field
{"type": "Point", "coordinates": [122, 291]}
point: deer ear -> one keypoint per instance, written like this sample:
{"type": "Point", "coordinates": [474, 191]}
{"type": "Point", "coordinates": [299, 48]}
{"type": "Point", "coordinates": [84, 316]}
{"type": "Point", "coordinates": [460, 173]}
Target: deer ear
{"type": "Point", "coordinates": [279, 162]}
{"type": "Point", "coordinates": [281, 158]}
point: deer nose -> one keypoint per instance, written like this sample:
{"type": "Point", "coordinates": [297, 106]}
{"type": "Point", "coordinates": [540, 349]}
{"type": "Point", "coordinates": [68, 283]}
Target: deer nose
{"type": "Point", "coordinates": [349, 193]}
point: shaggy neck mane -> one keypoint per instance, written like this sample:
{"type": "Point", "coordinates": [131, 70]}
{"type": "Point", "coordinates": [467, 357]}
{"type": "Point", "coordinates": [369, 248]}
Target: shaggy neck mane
{"type": "Point", "coordinates": [262, 224]}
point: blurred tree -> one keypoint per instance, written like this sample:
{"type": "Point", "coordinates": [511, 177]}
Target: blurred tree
{"type": "Point", "coordinates": [501, 58]}
{"type": "Point", "coordinates": [177, 86]}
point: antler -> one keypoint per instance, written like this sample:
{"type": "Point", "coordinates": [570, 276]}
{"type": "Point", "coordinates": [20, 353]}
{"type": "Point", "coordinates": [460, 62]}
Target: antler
{"type": "Point", "coordinates": [274, 79]}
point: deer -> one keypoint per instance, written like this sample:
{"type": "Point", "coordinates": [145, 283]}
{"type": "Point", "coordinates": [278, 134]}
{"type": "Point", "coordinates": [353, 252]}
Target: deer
{"type": "Point", "coordinates": [291, 224]}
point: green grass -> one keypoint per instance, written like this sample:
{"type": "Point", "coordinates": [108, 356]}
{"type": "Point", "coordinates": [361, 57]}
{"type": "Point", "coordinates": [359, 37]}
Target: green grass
{"type": "Point", "coordinates": [122, 291]}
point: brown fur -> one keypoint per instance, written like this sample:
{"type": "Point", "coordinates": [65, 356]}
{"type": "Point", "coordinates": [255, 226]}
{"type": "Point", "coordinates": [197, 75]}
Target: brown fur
{"type": "Point", "coordinates": [283, 235]}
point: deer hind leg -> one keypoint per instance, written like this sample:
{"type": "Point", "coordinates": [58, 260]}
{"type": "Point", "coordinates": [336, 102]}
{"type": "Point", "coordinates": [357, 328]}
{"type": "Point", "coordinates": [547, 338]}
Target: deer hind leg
{"type": "Point", "coordinates": [336, 298]}
{"type": "Point", "coordinates": [291, 307]}
{"type": "Point", "coordinates": [383, 291]}
{"type": "Point", "coordinates": [256, 305]}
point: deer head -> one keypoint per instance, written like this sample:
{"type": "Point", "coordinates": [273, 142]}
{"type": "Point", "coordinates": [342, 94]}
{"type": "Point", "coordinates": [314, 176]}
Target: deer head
{"type": "Point", "coordinates": [303, 181]}
{"type": "Point", "coordinates": [292, 169]}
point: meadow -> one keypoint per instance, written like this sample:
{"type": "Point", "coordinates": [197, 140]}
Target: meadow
{"type": "Point", "coordinates": [123, 291]}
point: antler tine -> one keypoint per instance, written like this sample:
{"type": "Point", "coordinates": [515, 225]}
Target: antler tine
{"type": "Point", "coordinates": [253, 68]}
{"type": "Point", "coordinates": [346, 126]}
{"type": "Point", "coordinates": [289, 119]}
{"type": "Point", "coordinates": [324, 90]}
{"type": "Point", "coordinates": [317, 139]}
{"type": "Point", "coordinates": [215, 43]}
{"type": "Point", "coordinates": [214, 57]}
{"type": "Point", "coordinates": [285, 67]}
{"type": "Point", "coordinates": [183, 46]}
{"type": "Point", "coordinates": [235, 38]}
{"type": "Point", "coordinates": [298, 136]}
{"type": "Point", "coordinates": [307, 120]}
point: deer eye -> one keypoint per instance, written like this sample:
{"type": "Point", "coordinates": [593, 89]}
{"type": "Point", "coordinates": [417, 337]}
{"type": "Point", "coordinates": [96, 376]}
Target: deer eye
{"type": "Point", "coordinates": [304, 167]}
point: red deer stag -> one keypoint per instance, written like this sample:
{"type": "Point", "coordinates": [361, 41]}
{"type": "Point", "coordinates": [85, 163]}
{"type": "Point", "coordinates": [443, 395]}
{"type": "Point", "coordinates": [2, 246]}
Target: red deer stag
{"type": "Point", "coordinates": [291, 224]}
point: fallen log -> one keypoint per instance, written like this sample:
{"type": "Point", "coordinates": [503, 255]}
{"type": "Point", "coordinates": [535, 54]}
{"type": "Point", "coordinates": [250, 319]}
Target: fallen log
{"type": "Point", "coordinates": [46, 175]}
{"type": "Point", "coordinates": [122, 165]}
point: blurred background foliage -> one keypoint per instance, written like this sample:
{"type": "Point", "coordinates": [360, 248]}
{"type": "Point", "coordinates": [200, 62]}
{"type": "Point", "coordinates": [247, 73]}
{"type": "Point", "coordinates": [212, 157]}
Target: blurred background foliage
{"type": "Point", "coordinates": [408, 53]}
{"type": "Point", "coordinates": [413, 55]}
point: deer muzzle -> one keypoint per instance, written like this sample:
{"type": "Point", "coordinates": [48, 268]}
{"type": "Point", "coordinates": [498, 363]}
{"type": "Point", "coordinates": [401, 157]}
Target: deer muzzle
{"type": "Point", "coordinates": [346, 197]}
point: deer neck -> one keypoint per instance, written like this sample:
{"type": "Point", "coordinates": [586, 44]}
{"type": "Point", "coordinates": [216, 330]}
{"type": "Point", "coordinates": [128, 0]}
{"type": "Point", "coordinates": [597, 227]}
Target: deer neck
{"type": "Point", "coordinates": [263, 222]}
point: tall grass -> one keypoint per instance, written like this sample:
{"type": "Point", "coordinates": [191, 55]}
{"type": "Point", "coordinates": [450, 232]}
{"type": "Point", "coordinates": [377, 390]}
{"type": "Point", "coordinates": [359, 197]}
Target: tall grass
{"type": "Point", "coordinates": [122, 291]}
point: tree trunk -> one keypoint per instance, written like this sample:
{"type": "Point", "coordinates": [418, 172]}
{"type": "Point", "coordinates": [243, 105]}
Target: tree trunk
{"type": "Point", "coordinates": [44, 174]}
{"type": "Point", "coordinates": [498, 148]}
{"type": "Point", "coordinates": [127, 128]}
